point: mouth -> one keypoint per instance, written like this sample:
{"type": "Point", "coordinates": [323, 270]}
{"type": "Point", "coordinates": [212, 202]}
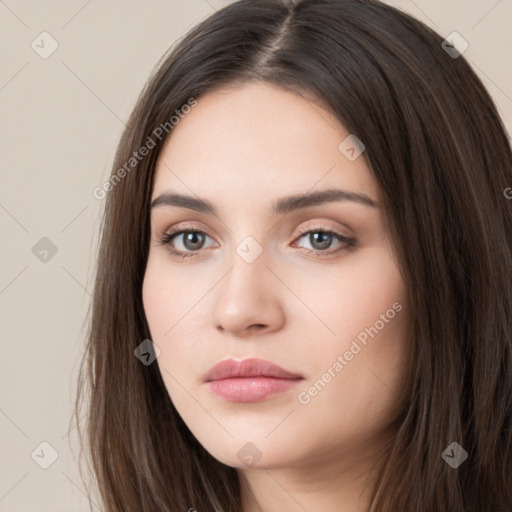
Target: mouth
{"type": "Point", "coordinates": [250, 380]}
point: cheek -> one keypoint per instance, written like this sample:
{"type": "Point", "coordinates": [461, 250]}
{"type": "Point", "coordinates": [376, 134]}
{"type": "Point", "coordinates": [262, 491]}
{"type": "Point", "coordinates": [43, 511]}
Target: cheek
{"type": "Point", "coordinates": [172, 304]}
{"type": "Point", "coordinates": [167, 296]}
{"type": "Point", "coordinates": [357, 366]}
{"type": "Point", "coordinates": [154, 302]}
{"type": "Point", "coordinates": [359, 385]}
{"type": "Point", "coordinates": [346, 299]}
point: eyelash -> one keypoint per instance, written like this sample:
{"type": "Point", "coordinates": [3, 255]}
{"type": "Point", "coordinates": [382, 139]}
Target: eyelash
{"type": "Point", "coordinates": [166, 239]}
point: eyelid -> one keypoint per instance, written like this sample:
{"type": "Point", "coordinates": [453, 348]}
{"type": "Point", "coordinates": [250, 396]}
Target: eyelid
{"type": "Point", "coordinates": [322, 226]}
{"type": "Point", "coordinates": [315, 225]}
{"type": "Point", "coordinates": [186, 227]}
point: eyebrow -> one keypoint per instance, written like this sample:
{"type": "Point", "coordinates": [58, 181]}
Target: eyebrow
{"type": "Point", "coordinates": [281, 206]}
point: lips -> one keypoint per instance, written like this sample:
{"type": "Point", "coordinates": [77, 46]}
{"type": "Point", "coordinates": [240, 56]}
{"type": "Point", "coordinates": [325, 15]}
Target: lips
{"type": "Point", "coordinates": [230, 369]}
{"type": "Point", "coordinates": [250, 380]}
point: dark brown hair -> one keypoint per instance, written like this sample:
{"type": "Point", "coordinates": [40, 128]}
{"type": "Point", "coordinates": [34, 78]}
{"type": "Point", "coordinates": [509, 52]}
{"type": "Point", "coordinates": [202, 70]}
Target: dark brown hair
{"type": "Point", "coordinates": [439, 153]}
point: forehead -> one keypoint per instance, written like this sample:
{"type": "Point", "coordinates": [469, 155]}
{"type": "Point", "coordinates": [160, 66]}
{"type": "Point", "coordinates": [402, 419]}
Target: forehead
{"type": "Point", "coordinates": [240, 142]}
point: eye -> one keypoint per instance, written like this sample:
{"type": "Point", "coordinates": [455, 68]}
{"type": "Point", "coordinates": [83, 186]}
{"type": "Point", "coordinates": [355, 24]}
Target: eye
{"type": "Point", "coordinates": [321, 240]}
{"type": "Point", "coordinates": [192, 242]}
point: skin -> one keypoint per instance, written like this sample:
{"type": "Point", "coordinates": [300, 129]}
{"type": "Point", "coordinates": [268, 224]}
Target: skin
{"type": "Point", "coordinates": [243, 147]}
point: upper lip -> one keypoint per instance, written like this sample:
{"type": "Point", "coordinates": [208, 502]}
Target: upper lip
{"type": "Point", "coordinates": [230, 368]}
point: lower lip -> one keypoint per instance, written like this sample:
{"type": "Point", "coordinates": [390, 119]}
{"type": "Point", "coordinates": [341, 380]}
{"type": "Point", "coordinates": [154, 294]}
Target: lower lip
{"type": "Point", "coordinates": [250, 389]}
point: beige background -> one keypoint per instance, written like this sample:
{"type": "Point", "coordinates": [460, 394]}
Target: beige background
{"type": "Point", "coordinates": [61, 119]}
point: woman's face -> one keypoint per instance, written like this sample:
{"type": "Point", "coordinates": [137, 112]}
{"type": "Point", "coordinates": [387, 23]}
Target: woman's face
{"type": "Point", "coordinates": [261, 280]}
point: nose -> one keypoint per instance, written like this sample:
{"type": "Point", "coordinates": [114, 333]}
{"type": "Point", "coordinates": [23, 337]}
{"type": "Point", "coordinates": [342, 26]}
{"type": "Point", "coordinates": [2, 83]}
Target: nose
{"type": "Point", "coordinates": [248, 299]}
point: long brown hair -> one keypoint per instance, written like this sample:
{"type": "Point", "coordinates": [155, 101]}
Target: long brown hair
{"type": "Point", "coordinates": [439, 152]}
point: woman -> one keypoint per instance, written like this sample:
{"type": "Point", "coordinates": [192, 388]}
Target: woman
{"type": "Point", "coordinates": [303, 297]}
